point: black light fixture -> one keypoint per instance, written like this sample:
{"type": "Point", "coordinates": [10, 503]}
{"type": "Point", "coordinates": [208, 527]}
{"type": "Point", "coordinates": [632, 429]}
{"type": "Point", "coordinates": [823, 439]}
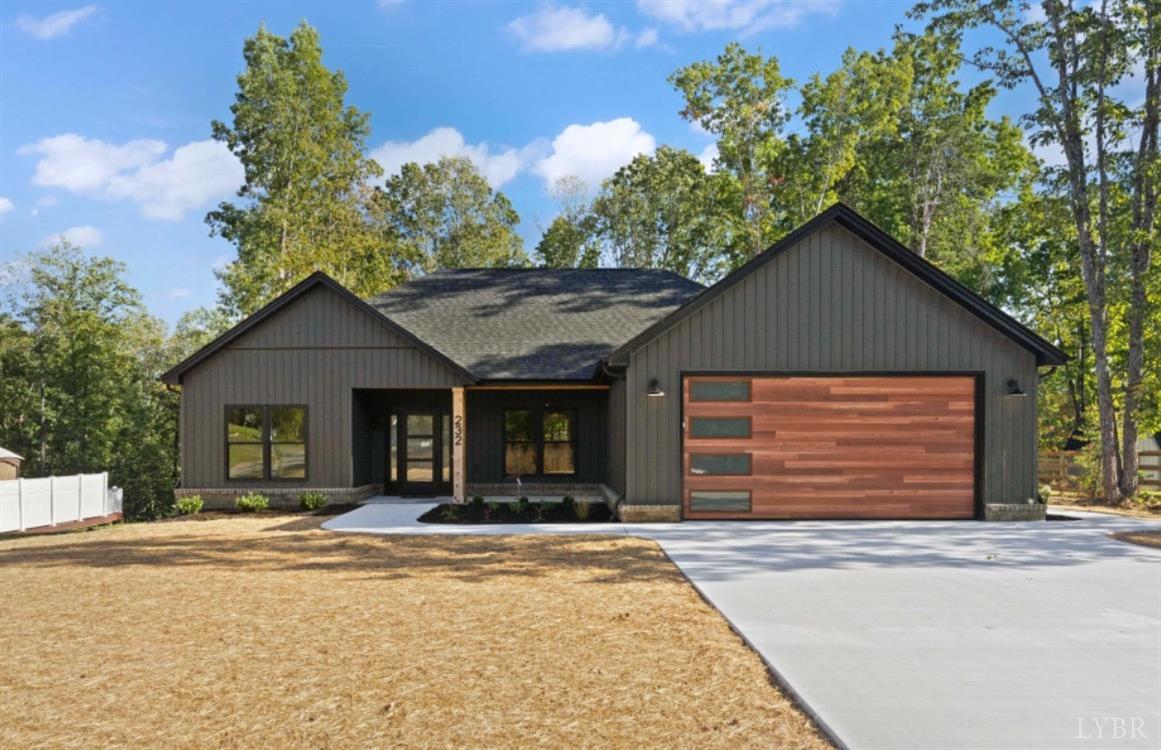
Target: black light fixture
{"type": "Point", "coordinates": [655, 389]}
{"type": "Point", "coordinates": [1014, 388]}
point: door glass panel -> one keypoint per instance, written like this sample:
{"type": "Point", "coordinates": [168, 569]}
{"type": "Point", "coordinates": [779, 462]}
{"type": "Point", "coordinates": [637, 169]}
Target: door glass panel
{"type": "Point", "coordinates": [719, 427]}
{"type": "Point", "coordinates": [420, 471]}
{"type": "Point", "coordinates": [420, 424]}
{"type": "Point", "coordinates": [394, 453]}
{"type": "Point", "coordinates": [703, 463]}
{"type": "Point", "coordinates": [445, 448]}
{"type": "Point", "coordinates": [420, 448]}
{"type": "Point", "coordinates": [719, 501]}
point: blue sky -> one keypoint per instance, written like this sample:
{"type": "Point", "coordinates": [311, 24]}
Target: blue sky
{"type": "Point", "coordinates": [105, 109]}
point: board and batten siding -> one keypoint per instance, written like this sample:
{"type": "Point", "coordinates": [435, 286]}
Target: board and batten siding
{"type": "Point", "coordinates": [315, 351]}
{"type": "Point", "coordinates": [617, 447]}
{"type": "Point", "coordinates": [830, 304]}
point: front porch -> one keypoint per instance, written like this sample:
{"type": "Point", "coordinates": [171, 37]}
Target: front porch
{"type": "Point", "coordinates": [499, 442]}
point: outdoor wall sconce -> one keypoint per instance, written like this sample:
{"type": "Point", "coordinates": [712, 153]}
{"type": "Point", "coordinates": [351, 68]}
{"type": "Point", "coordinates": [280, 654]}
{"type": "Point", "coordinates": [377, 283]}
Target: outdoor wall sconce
{"type": "Point", "coordinates": [1014, 388]}
{"type": "Point", "coordinates": [655, 389]}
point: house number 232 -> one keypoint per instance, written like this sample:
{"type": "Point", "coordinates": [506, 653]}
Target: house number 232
{"type": "Point", "coordinates": [458, 431]}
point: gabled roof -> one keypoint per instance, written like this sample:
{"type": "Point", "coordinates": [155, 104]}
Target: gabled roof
{"type": "Point", "coordinates": [534, 324]}
{"type": "Point", "coordinates": [8, 455]}
{"type": "Point", "coordinates": [848, 218]}
{"type": "Point", "coordinates": [318, 278]}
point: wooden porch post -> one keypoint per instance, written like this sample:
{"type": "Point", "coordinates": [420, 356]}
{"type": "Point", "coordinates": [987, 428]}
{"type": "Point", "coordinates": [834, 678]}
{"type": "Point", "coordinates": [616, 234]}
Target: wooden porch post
{"type": "Point", "coordinates": [459, 486]}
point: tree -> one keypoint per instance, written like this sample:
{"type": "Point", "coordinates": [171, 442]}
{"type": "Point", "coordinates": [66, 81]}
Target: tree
{"type": "Point", "coordinates": [445, 215]}
{"type": "Point", "coordinates": [740, 98]}
{"type": "Point", "coordinates": [659, 211]}
{"type": "Point", "coordinates": [570, 240]}
{"type": "Point", "coordinates": [1072, 60]}
{"type": "Point", "coordinates": [307, 181]}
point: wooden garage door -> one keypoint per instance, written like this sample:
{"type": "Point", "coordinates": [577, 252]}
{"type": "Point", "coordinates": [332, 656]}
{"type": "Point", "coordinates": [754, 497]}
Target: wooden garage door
{"type": "Point", "coordinates": [829, 447]}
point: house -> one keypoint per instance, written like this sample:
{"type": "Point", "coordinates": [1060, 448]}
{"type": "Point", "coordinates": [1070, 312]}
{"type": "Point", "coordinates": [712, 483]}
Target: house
{"type": "Point", "coordinates": [9, 464]}
{"type": "Point", "coordinates": [836, 375]}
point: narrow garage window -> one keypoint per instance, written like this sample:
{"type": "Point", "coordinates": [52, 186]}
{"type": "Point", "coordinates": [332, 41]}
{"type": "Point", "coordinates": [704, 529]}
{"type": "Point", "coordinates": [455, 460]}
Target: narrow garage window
{"type": "Point", "coordinates": [736, 464]}
{"type": "Point", "coordinates": [719, 390]}
{"type": "Point", "coordinates": [719, 501]}
{"type": "Point", "coordinates": [719, 427]}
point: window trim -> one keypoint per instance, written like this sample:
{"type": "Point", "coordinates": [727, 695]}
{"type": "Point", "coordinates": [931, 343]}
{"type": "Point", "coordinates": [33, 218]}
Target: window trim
{"type": "Point", "coordinates": [538, 441]}
{"type": "Point", "coordinates": [267, 443]}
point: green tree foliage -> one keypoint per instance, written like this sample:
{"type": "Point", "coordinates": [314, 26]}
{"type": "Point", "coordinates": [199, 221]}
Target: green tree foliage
{"type": "Point", "coordinates": [1071, 60]}
{"type": "Point", "coordinates": [80, 360]}
{"type": "Point", "coordinates": [662, 211]}
{"type": "Point", "coordinates": [740, 98]}
{"type": "Point", "coordinates": [570, 240]}
{"type": "Point", "coordinates": [445, 215]}
{"type": "Point", "coordinates": [303, 206]}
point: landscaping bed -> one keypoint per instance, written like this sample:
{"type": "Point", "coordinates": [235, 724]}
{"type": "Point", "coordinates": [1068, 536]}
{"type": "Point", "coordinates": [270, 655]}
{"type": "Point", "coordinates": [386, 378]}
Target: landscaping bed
{"type": "Point", "coordinates": [1142, 538]}
{"type": "Point", "coordinates": [521, 511]}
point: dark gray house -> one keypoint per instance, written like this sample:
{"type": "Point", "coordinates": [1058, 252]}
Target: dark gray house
{"type": "Point", "coordinates": [836, 375]}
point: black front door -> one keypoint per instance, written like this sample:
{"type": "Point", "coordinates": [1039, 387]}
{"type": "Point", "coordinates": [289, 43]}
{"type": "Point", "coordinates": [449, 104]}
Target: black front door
{"type": "Point", "coordinates": [419, 455]}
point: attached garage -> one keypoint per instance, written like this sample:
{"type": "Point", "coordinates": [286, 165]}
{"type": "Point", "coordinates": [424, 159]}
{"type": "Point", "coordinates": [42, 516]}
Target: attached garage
{"type": "Point", "coordinates": [837, 375]}
{"type": "Point", "coordinates": [831, 446]}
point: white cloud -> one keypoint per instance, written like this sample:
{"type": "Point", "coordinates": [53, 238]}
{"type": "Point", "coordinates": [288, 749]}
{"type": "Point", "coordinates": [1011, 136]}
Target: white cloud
{"type": "Point", "coordinates": [83, 236]}
{"type": "Point", "coordinates": [560, 28]}
{"type": "Point", "coordinates": [498, 166]}
{"type": "Point", "coordinates": [178, 293]}
{"type": "Point", "coordinates": [6, 205]}
{"type": "Point", "coordinates": [707, 156]}
{"type": "Point", "coordinates": [593, 152]}
{"type": "Point", "coordinates": [136, 171]}
{"type": "Point", "coordinates": [47, 201]}
{"type": "Point", "coordinates": [647, 38]}
{"type": "Point", "coordinates": [749, 15]}
{"type": "Point", "coordinates": [55, 25]}
{"type": "Point", "coordinates": [553, 28]}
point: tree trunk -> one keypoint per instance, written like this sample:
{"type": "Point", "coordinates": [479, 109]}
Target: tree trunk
{"type": "Point", "coordinates": [1144, 201]}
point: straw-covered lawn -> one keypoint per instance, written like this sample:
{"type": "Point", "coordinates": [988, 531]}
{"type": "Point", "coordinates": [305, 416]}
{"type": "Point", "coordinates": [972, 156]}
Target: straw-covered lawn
{"type": "Point", "coordinates": [267, 632]}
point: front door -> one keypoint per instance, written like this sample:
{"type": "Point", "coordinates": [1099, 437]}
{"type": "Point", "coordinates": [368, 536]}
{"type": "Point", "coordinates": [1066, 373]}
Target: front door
{"type": "Point", "coordinates": [419, 460]}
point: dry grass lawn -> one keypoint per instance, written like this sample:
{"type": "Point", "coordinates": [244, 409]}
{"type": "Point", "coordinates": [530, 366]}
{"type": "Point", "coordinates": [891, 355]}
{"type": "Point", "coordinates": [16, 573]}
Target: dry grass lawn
{"type": "Point", "coordinates": [259, 632]}
{"type": "Point", "coordinates": [1143, 538]}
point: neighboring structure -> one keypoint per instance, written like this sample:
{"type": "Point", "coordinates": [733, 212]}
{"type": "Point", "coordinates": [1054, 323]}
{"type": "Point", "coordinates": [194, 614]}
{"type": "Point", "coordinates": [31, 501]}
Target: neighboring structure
{"type": "Point", "coordinates": [836, 375]}
{"type": "Point", "coordinates": [9, 464]}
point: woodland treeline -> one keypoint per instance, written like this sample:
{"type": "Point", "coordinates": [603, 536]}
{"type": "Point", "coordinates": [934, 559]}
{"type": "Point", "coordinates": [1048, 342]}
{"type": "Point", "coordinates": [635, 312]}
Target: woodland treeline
{"type": "Point", "coordinates": [1064, 240]}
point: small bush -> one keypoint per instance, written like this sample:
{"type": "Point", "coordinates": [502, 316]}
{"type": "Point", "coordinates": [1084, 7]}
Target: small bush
{"type": "Point", "coordinates": [450, 513]}
{"type": "Point", "coordinates": [568, 504]}
{"type": "Point", "coordinates": [1088, 461]}
{"type": "Point", "coordinates": [312, 500]}
{"type": "Point", "coordinates": [189, 505]}
{"type": "Point", "coordinates": [581, 511]}
{"type": "Point", "coordinates": [252, 501]}
{"type": "Point", "coordinates": [522, 507]}
{"type": "Point", "coordinates": [1044, 494]}
{"type": "Point", "coordinates": [477, 502]}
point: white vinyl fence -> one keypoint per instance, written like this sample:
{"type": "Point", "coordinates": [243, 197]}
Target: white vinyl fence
{"type": "Point", "coordinates": [48, 501]}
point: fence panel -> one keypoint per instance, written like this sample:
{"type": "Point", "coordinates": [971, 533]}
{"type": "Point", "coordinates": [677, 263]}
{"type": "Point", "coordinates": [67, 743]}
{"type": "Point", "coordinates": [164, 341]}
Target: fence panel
{"type": "Point", "coordinates": [47, 501]}
{"type": "Point", "coordinates": [1150, 465]}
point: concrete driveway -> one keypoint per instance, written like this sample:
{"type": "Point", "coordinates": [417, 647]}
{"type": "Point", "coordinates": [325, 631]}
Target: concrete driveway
{"type": "Point", "coordinates": [929, 635]}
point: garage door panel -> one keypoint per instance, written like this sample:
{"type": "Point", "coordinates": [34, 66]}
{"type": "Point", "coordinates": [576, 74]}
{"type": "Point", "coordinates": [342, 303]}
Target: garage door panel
{"type": "Point", "coordinates": [844, 447]}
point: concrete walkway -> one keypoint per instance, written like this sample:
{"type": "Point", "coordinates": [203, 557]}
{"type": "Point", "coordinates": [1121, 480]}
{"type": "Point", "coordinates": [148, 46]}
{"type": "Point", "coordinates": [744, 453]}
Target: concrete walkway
{"type": "Point", "coordinates": [931, 635]}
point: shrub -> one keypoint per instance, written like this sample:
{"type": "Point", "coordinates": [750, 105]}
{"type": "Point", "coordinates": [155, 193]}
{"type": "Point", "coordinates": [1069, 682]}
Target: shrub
{"type": "Point", "coordinates": [450, 513]}
{"type": "Point", "coordinates": [477, 502]}
{"type": "Point", "coordinates": [312, 500]}
{"type": "Point", "coordinates": [1044, 493]}
{"type": "Point", "coordinates": [1088, 461]}
{"type": "Point", "coordinates": [252, 501]}
{"type": "Point", "coordinates": [568, 504]}
{"type": "Point", "coordinates": [581, 511]}
{"type": "Point", "coordinates": [522, 507]}
{"type": "Point", "coordinates": [189, 505]}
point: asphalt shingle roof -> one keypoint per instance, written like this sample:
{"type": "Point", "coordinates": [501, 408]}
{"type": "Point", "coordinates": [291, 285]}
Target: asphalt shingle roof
{"type": "Point", "coordinates": [533, 324]}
